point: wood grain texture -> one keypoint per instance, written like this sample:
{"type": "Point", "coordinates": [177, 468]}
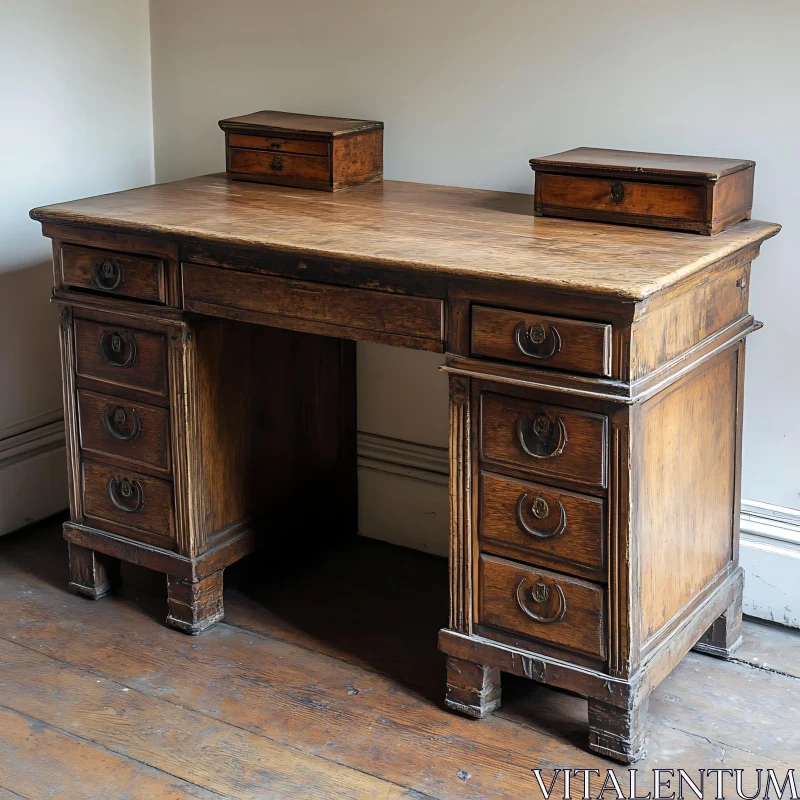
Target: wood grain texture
{"type": "Point", "coordinates": [357, 159]}
{"type": "Point", "coordinates": [582, 626]}
{"type": "Point", "coordinates": [578, 549]}
{"type": "Point", "coordinates": [684, 470]}
{"type": "Point", "coordinates": [280, 145]}
{"type": "Point", "coordinates": [576, 345]}
{"type": "Point", "coordinates": [604, 160]}
{"type": "Point", "coordinates": [92, 574]}
{"type": "Point", "coordinates": [307, 124]}
{"type": "Point", "coordinates": [133, 276]}
{"type": "Point", "coordinates": [144, 430]}
{"type": "Point", "coordinates": [276, 409]}
{"type": "Point", "coordinates": [304, 640]}
{"type": "Point", "coordinates": [432, 229]}
{"type": "Point", "coordinates": [152, 508]}
{"type": "Point", "coordinates": [365, 310]}
{"type": "Point", "coordinates": [284, 166]}
{"type": "Point", "coordinates": [472, 689]}
{"type": "Point", "coordinates": [565, 192]}
{"type": "Point", "coordinates": [194, 606]}
{"type": "Point", "coordinates": [703, 195]}
{"type": "Point", "coordinates": [144, 350]}
{"type": "Point", "coordinates": [583, 458]}
{"type": "Point", "coordinates": [39, 760]}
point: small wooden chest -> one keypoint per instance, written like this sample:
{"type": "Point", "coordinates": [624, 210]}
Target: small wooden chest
{"type": "Point", "coordinates": [303, 150]}
{"type": "Point", "coordinates": [688, 193]}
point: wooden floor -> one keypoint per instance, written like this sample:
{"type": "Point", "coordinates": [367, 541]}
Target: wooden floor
{"type": "Point", "coordinates": [308, 691]}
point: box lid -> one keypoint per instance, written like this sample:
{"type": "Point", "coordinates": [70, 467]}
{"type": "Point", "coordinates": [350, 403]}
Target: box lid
{"type": "Point", "coordinates": [594, 160]}
{"type": "Point", "coordinates": [285, 123]}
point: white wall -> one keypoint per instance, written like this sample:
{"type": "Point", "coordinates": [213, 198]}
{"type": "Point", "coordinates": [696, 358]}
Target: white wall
{"type": "Point", "coordinates": [75, 120]}
{"type": "Point", "coordinates": [469, 91]}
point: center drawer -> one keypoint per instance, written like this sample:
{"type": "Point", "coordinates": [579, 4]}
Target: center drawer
{"type": "Point", "coordinates": [362, 314]}
{"type": "Point", "coordinates": [543, 439]}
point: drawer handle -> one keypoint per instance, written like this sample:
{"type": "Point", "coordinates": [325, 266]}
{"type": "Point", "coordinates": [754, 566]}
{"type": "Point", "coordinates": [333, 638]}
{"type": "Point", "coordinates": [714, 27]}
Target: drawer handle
{"type": "Point", "coordinates": [535, 341]}
{"type": "Point", "coordinates": [127, 496]}
{"type": "Point", "coordinates": [541, 510]}
{"type": "Point", "coordinates": [112, 423]}
{"type": "Point", "coordinates": [276, 164]}
{"type": "Point", "coordinates": [540, 595]}
{"type": "Point", "coordinates": [617, 192]}
{"type": "Point", "coordinates": [107, 274]}
{"type": "Point", "coordinates": [113, 346]}
{"type": "Point", "coordinates": [540, 438]}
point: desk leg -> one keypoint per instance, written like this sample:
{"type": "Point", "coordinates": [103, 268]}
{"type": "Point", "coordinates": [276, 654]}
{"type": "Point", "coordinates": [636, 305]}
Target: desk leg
{"type": "Point", "coordinates": [193, 607]}
{"type": "Point", "coordinates": [92, 574]}
{"type": "Point", "coordinates": [472, 689]}
{"type": "Point", "coordinates": [725, 635]}
{"type": "Point", "coordinates": [618, 733]}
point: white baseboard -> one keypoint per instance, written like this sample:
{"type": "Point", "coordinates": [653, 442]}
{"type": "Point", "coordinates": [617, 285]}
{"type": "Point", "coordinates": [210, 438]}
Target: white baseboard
{"type": "Point", "coordinates": [770, 555]}
{"type": "Point", "coordinates": [33, 471]}
{"type": "Point", "coordinates": [404, 499]}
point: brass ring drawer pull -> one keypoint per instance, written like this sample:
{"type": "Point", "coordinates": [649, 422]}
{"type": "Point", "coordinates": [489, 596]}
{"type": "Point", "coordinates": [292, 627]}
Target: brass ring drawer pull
{"type": "Point", "coordinates": [113, 346]}
{"type": "Point", "coordinates": [112, 423]}
{"type": "Point", "coordinates": [617, 192]}
{"type": "Point", "coordinates": [541, 510]}
{"type": "Point", "coordinates": [540, 438]}
{"type": "Point", "coordinates": [127, 496]}
{"type": "Point", "coordinates": [540, 595]}
{"type": "Point", "coordinates": [536, 342]}
{"type": "Point", "coordinates": [107, 274]}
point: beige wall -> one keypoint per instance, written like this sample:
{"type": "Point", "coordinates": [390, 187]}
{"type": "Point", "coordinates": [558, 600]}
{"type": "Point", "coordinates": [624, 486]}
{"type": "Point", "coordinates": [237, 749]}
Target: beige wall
{"type": "Point", "coordinates": [76, 120]}
{"type": "Point", "coordinates": [470, 90]}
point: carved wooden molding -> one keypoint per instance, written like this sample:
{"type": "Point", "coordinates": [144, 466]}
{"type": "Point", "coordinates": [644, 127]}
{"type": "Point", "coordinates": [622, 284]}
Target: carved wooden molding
{"type": "Point", "coordinates": [460, 505]}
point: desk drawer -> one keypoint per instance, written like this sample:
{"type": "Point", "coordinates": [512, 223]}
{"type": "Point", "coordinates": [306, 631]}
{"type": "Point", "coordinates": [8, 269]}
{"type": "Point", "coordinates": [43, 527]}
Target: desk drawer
{"type": "Point", "coordinates": [611, 198]}
{"type": "Point", "coordinates": [122, 274]}
{"type": "Point", "coordinates": [352, 313]}
{"type": "Point", "coordinates": [137, 501]}
{"type": "Point", "coordinates": [542, 439]}
{"type": "Point", "coordinates": [275, 144]}
{"type": "Point", "coordinates": [290, 166]}
{"type": "Point", "coordinates": [561, 611]}
{"type": "Point", "coordinates": [553, 342]}
{"type": "Point", "coordinates": [539, 525]}
{"type": "Point", "coordinates": [121, 355]}
{"type": "Point", "coordinates": [114, 427]}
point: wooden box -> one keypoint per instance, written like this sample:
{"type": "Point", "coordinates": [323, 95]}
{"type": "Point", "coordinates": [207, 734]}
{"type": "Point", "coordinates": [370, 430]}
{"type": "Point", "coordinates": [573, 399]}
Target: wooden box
{"type": "Point", "coordinates": [303, 150]}
{"type": "Point", "coordinates": [688, 193]}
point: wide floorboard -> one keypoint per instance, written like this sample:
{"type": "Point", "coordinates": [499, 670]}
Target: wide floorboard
{"type": "Point", "coordinates": [322, 682]}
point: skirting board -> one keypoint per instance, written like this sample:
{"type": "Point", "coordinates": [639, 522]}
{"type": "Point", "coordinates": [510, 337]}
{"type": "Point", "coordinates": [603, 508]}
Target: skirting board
{"type": "Point", "coordinates": [403, 499]}
{"type": "Point", "coordinates": [33, 471]}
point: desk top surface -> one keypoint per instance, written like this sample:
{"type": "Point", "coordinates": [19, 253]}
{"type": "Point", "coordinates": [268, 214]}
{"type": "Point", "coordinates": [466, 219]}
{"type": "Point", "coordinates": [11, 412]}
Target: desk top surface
{"type": "Point", "coordinates": [466, 232]}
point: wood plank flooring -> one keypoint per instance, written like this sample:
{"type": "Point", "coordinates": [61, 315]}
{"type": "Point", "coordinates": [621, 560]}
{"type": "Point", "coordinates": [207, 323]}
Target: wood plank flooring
{"type": "Point", "coordinates": [306, 690]}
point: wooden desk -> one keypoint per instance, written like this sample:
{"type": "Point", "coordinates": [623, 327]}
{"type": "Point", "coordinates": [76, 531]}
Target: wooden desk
{"type": "Point", "coordinates": [596, 378]}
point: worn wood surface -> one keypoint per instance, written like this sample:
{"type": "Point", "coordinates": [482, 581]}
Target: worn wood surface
{"type": "Point", "coordinates": [507, 422]}
{"type": "Point", "coordinates": [571, 345]}
{"type": "Point", "coordinates": [300, 694]}
{"type": "Point", "coordinates": [541, 525]}
{"type": "Point", "coordinates": [432, 230]}
{"type": "Point", "coordinates": [569, 615]}
{"type": "Point", "coordinates": [132, 432]}
{"type": "Point", "coordinates": [142, 355]}
{"type": "Point", "coordinates": [703, 195]}
{"type": "Point", "coordinates": [120, 274]}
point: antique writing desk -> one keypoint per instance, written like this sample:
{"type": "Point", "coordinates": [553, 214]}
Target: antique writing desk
{"type": "Point", "coordinates": [208, 336]}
